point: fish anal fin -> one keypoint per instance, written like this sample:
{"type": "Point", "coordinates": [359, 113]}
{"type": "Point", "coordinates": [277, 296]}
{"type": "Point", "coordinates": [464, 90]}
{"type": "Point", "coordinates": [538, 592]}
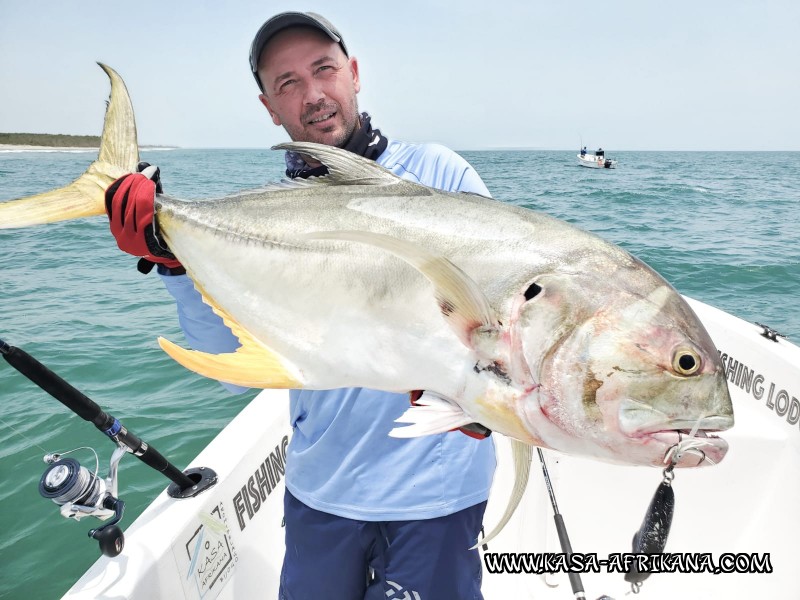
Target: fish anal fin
{"type": "Point", "coordinates": [253, 364]}
{"type": "Point", "coordinates": [249, 366]}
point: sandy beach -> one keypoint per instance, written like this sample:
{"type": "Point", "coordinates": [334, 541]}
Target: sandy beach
{"type": "Point", "coordinates": [24, 148]}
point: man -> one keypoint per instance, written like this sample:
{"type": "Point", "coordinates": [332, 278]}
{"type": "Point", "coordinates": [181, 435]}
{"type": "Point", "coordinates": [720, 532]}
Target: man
{"type": "Point", "coordinates": [367, 515]}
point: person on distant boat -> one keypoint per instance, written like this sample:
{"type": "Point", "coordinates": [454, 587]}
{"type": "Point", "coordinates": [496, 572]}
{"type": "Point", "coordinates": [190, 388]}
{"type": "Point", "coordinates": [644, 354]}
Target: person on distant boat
{"type": "Point", "coordinates": [583, 151]}
{"type": "Point", "coordinates": [600, 153]}
{"type": "Point", "coordinates": [367, 515]}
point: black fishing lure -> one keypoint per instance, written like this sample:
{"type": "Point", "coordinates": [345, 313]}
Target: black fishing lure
{"type": "Point", "coordinates": [652, 535]}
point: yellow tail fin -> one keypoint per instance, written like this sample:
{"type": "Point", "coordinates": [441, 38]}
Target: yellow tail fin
{"type": "Point", "coordinates": [84, 197]}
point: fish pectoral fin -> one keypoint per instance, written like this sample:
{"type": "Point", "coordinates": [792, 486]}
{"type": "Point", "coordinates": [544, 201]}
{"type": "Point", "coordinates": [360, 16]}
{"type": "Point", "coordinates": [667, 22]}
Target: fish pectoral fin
{"type": "Point", "coordinates": [523, 454]}
{"type": "Point", "coordinates": [251, 365]}
{"type": "Point", "coordinates": [462, 303]}
{"type": "Point", "coordinates": [432, 414]}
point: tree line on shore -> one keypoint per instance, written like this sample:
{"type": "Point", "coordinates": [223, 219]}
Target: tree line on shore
{"type": "Point", "coordinates": [49, 139]}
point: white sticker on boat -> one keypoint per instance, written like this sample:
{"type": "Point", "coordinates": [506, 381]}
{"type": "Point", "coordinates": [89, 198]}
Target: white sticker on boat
{"type": "Point", "coordinates": [206, 556]}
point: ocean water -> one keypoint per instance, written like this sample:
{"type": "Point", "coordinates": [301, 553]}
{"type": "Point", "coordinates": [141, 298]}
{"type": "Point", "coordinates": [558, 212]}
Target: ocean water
{"type": "Point", "coordinates": [721, 227]}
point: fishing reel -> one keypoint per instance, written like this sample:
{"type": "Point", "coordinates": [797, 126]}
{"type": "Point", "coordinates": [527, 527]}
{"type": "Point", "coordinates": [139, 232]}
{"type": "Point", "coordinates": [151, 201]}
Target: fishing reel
{"type": "Point", "coordinates": [81, 493]}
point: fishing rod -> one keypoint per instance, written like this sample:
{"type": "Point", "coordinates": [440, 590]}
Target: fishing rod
{"type": "Point", "coordinates": [651, 537]}
{"type": "Point", "coordinates": [81, 493]}
{"type": "Point", "coordinates": [563, 538]}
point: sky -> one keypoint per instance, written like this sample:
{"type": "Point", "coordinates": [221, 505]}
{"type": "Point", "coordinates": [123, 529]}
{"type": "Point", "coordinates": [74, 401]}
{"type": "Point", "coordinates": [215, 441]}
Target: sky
{"type": "Point", "coordinates": [542, 74]}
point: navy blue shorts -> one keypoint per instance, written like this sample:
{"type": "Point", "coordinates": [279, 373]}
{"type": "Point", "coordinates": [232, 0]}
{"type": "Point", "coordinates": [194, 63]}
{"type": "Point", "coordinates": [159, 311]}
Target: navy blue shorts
{"type": "Point", "coordinates": [343, 559]}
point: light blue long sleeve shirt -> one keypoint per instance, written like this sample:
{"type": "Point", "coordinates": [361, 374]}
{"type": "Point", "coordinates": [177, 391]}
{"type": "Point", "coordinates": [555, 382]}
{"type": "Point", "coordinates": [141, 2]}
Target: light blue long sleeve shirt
{"type": "Point", "coordinates": [340, 458]}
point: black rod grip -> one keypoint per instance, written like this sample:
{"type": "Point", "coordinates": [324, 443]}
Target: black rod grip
{"type": "Point", "coordinates": [566, 548]}
{"type": "Point", "coordinates": [51, 383]}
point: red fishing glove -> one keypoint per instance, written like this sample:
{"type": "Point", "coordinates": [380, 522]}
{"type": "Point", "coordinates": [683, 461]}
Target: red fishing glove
{"type": "Point", "coordinates": [130, 204]}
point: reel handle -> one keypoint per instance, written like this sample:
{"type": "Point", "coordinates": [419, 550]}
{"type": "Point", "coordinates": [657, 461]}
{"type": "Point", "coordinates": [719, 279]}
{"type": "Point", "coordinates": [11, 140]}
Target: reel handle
{"type": "Point", "coordinates": [110, 536]}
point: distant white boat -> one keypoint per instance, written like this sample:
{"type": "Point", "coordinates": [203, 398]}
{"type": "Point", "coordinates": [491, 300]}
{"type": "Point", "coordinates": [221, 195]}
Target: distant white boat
{"type": "Point", "coordinates": [597, 160]}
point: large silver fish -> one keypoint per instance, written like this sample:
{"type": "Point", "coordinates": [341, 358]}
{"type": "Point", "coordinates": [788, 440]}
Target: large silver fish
{"type": "Point", "coordinates": [504, 316]}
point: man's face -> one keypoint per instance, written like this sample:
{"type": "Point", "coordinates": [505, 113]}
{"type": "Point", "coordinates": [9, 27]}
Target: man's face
{"type": "Point", "coordinates": [310, 86]}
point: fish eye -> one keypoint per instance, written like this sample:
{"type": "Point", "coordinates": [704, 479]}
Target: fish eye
{"type": "Point", "coordinates": [686, 361]}
{"type": "Point", "coordinates": [532, 291]}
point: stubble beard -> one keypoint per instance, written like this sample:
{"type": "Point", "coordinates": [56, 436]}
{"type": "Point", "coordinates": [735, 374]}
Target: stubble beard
{"type": "Point", "coordinates": [350, 122]}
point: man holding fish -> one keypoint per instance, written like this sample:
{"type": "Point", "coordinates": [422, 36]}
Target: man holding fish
{"type": "Point", "coordinates": [367, 515]}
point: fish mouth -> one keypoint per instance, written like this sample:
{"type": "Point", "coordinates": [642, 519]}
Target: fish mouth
{"type": "Point", "coordinates": [685, 441]}
{"type": "Point", "coordinates": [690, 448]}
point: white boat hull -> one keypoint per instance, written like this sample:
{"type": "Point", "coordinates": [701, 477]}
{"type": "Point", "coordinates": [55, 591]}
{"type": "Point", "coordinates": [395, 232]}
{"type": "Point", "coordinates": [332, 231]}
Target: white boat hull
{"type": "Point", "coordinates": [228, 542]}
{"type": "Point", "coordinates": [595, 162]}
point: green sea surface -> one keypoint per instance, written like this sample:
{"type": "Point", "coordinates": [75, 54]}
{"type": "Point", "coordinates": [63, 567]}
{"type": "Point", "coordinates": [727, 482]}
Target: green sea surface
{"type": "Point", "coordinates": [721, 227]}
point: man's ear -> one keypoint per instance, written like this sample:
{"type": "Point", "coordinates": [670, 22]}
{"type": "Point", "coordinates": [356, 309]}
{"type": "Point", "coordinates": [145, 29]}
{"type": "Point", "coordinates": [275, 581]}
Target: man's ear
{"type": "Point", "coordinates": [265, 101]}
{"type": "Point", "coordinates": [353, 62]}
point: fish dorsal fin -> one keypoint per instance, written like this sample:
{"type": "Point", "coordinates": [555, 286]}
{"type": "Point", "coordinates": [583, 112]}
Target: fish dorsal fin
{"type": "Point", "coordinates": [345, 167]}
